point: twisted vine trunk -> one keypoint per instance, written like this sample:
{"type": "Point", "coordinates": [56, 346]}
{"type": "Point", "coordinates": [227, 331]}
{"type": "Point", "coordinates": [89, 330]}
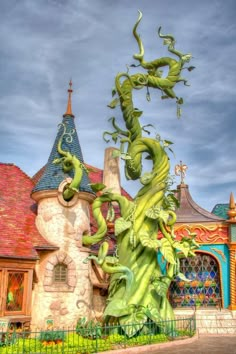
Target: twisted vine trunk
{"type": "Point", "coordinates": [138, 285]}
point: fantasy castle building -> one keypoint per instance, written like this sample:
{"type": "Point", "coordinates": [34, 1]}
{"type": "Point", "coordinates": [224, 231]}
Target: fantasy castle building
{"type": "Point", "coordinates": [43, 277]}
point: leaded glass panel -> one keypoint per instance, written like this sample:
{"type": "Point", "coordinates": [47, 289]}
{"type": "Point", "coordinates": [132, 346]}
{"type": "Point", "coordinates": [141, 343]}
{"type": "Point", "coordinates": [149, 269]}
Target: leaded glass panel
{"type": "Point", "coordinates": [15, 291]}
{"type": "Point", "coordinates": [203, 287]}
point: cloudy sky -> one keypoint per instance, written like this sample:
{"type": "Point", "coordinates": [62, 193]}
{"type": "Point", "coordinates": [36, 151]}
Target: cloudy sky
{"type": "Point", "coordinates": [45, 43]}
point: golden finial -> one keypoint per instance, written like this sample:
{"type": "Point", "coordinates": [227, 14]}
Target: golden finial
{"type": "Point", "coordinates": [69, 110]}
{"type": "Point", "coordinates": [232, 208]}
{"type": "Point", "coordinates": [180, 170]}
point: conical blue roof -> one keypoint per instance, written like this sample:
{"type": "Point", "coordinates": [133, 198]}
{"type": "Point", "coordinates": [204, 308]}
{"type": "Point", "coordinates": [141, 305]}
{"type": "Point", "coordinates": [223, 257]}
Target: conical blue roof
{"type": "Point", "coordinates": [53, 174]}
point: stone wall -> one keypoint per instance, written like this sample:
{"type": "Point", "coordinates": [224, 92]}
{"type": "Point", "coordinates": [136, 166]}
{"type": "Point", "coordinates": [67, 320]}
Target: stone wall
{"type": "Point", "coordinates": [211, 321]}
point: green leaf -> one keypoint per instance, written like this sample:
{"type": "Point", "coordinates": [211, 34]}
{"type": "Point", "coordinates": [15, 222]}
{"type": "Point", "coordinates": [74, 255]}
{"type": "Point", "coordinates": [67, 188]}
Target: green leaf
{"type": "Point", "coordinates": [167, 142]}
{"type": "Point", "coordinates": [121, 225]}
{"type": "Point", "coordinates": [116, 153]}
{"type": "Point", "coordinates": [167, 251]}
{"type": "Point", "coordinates": [157, 213]}
{"type": "Point", "coordinates": [117, 308]}
{"type": "Point", "coordinates": [160, 287]}
{"type": "Point", "coordinates": [164, 215]}
{"type": "Point", "coordinates": [153, 313]}
{"type": "Point", "coordinates": [171, 202]}
{"type": "Point", "coordinates": [146, 241]}
{"type": "Point", "coordinates": [113, 103]}
{"type": "Point", "coordinates": [153, 213]}
{"type": "Point", "coordinates": [96, 187]}
{"type": "Point", "coordinates": [183, 247]}
{"type": "Point", "coordinates": [133, 323]}
{"type": "Point", "coordinates": [183, 277]}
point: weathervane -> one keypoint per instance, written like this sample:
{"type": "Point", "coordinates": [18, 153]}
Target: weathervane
{"type": "Point", "coordinates": [180, 170]}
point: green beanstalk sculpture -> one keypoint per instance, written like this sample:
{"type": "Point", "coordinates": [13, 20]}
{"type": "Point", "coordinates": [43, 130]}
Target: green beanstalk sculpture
{"type": "Point", "coordinates": [144, 265]}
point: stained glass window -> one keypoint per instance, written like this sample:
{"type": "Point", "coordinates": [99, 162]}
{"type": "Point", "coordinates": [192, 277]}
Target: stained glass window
{"type": "Point", "coordinates": [203, 287]}
{"type": "Point", "coordinates": [15, 291]}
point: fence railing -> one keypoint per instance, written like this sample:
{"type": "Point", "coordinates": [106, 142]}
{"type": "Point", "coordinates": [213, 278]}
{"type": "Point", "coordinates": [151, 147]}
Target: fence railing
{"type": "Point", "coordinates": [81, 340]}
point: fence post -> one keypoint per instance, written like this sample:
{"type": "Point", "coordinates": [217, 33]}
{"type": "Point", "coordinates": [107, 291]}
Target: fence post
{"type": "Point", "coordinates": [96, 339]}
{"type": "Point", "coordinates": [172, 329]}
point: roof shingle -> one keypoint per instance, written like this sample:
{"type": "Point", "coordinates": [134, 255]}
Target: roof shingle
{"type": "Point", "coordinates": [53, 174]}
{"type": "Point", "coordinates": [18, 234]}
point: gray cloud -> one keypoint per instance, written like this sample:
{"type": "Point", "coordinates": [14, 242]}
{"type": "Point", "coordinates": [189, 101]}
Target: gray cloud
{"type": "Point", "coordinates": [45, 43]}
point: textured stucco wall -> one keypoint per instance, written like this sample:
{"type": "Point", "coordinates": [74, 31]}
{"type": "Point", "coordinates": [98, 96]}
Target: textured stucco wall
{"type": "Point", "coordinates": [63, 227]}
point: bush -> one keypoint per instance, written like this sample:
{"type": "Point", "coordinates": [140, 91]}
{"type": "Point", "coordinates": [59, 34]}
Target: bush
{"type": "Point", "coordinates": [88, 328]}
{"type": "Point", "coordinates": [52, 336]}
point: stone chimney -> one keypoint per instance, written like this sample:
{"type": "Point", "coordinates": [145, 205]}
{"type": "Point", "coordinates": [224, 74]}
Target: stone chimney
{"type": "Point", "coordinates": [111, 173]}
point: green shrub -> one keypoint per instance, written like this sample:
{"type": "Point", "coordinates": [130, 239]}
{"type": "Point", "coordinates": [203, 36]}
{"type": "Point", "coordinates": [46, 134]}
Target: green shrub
{"type": "Point", "coordinates": [88, 328]}
{"type": "Point", "coordinates": [51, 335]}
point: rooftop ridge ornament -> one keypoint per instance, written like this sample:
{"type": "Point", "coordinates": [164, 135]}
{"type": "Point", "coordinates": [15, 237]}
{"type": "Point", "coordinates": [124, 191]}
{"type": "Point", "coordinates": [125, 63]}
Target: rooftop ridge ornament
{"type": "Point", "coordinates": [232, 208]}
{"type": "Point", "coordinates": [180, 170]}
{"type": "Point", "coordinates": [69, 109]}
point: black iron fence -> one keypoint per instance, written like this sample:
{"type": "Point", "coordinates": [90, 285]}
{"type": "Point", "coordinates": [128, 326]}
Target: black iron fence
{"type": "Point", "coordinates": [94, 339]}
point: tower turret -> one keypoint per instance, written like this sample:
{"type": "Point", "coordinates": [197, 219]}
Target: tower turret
{"type": "Point", "coordinates": [63, 195]}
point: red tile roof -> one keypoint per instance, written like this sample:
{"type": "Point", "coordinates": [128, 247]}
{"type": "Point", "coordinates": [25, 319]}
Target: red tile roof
{"type": "Point", "coordinates": [19, 236]}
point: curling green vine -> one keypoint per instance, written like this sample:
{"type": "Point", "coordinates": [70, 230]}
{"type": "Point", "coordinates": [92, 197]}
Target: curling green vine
{"type": "Point", "coordinates": [69, 163]}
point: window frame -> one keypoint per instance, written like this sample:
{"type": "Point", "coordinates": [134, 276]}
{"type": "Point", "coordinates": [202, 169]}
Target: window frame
{"type": "Point", "coordinates": [48, 282]}
{"type": "Point", "coordinates": [5, 270]}
{"type": "Point", "coordinates": [60, 275]}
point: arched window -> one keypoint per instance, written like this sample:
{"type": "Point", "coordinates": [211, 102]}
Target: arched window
{"type": "Point", "coordinates": [203, 287]}
{"type": "Point", "coordinates": [60, 273]}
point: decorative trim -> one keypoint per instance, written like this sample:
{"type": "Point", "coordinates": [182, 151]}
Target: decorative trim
{"type": "Point", "coordinates": [216, 233]}
{"type": "Point", "coordinates": [37, 196]}
{"type": "Point", "coordinates": [60, 197]}
{"type": "Point", "coordinates": [232, 278]}
{"type": "Point", "coordinates": [44, 194]}
{"type": "Point", "coordinates": [48, 282]}
{"type": "Point", "coordinates": [220, 268]}
{"type": "Point", "coordinates": [221, 253]}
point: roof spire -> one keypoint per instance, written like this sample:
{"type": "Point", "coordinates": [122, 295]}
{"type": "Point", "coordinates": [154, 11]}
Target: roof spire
{"type": "Point", "coordinates": [69, 110]}
{"type": "Point", "coordinates": [232, 208]}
